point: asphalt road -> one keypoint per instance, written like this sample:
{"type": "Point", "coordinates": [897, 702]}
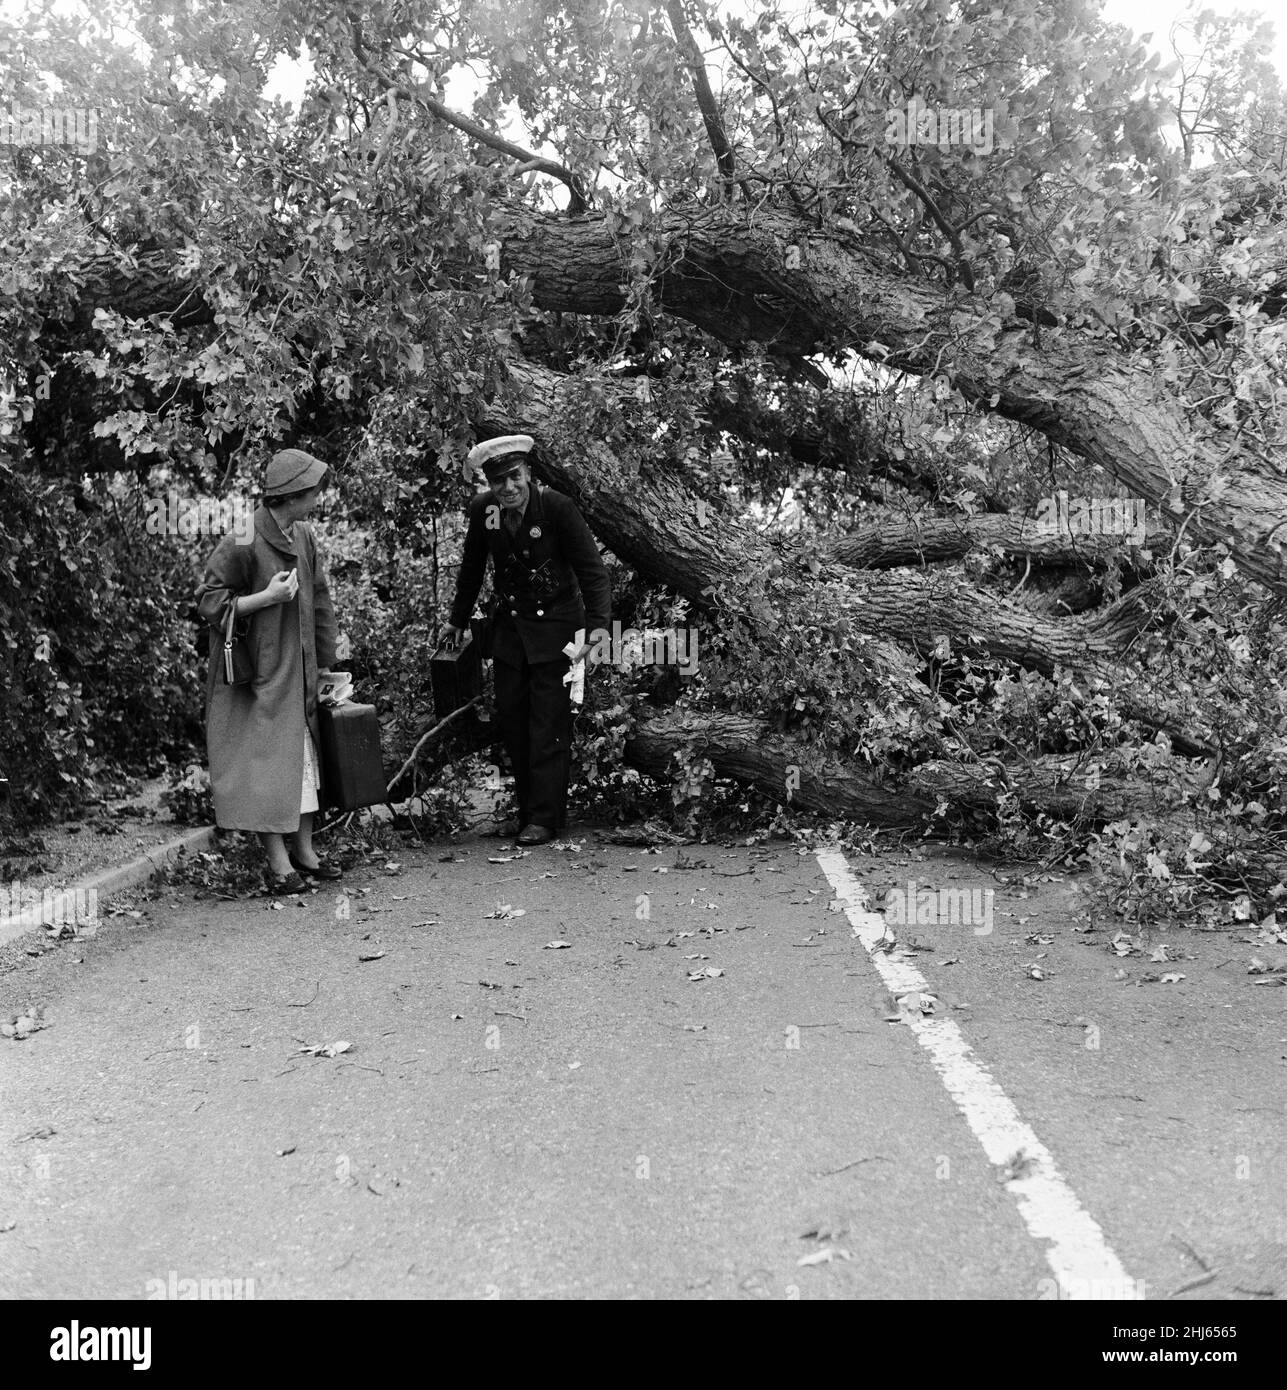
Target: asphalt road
{"type": "Point", "coordinates": [513, 1120]}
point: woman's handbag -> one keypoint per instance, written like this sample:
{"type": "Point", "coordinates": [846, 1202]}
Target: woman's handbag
{"type": "Point", "coordinates": [238, 669]}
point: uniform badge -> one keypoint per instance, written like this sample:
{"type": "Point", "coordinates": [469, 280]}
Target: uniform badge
{"type": "Point", "coordinates": [535, 533]}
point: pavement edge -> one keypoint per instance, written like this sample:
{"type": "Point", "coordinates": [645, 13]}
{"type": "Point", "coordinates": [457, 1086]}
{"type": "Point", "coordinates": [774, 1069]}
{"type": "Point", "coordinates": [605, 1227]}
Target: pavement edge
{"type": "Point", "coordinates": [114, 880]}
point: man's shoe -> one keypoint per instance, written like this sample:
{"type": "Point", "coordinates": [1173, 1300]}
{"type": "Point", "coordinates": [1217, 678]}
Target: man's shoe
{"type": "Point", "coordinates": [506, 830]}
{"type": "Point", "coordinates": [535, 835]}
{"type": "Point", "coordinates": [325, 869]}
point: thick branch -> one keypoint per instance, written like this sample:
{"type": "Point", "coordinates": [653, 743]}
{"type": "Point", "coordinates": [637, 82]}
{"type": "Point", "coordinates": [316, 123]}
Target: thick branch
{"type": "Point", "coordinates": [702, 89]}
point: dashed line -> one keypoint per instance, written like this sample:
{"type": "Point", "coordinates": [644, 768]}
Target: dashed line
{"type": "Point", "coordinates": [1077, 1251]}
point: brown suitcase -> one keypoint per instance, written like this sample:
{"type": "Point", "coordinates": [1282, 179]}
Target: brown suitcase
{"type": "Point", "coordinates": [352, 764]}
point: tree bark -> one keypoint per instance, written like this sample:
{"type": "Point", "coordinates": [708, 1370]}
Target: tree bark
{"type": "Point", "coordinates": [918, 540]}
{"type": "Point", "coordinates": [732, 276]}
{"type": "Point", "coordinates": [650, 519]}
{"type": "Point", "coordinates": [747, 751]}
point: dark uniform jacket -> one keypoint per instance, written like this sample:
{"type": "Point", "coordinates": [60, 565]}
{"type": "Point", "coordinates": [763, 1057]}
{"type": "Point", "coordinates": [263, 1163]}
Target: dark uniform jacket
{"type": "Point", "coordinates": [550, 579]}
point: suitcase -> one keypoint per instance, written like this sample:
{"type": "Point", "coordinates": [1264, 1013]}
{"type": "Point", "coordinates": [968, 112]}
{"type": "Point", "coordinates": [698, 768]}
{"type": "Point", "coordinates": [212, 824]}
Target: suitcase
{"type": "Point", "coordinates": [352, 764]}
{"type": "Point", "coordinates": [456, 675]}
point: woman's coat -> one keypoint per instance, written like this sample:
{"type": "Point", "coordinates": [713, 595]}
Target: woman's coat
{"type": "Point", "coordinates": [255, 732]}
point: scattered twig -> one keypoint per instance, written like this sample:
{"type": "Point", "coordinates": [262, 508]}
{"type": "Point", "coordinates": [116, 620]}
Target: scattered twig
{"type": "Point", "coordinates": [1191, 1252]}
{"type": "Point", "coordinates": [317, 989]}
{"type": "Point", "coordinates": [1194, 1284]}
{"type": "Point", "coordinates": [869, 1158]}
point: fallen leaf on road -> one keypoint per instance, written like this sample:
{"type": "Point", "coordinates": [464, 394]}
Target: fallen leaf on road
{"type": "Point", "coordinates": [327, 1049]}
{"type": "Point", "coordinates": [696, 955]}
{"type": "Point", "coordinates": [1123, 944]}
{"type": "Point", "coordinates": [557, 946]}
{"type": "Point", "coordinates": [694, 1027]}
{"type": "Point", "coordinates": [1272, 980]}
{"type": "Point", "coordinates": [392, 867]}
{"type": "Point", "coordinates": [951, 960]}
{"type": "Point", "coordinates": [1018, 1165]}
{"type": "Point", "coordinates": [426, 924]}
{"type": "Point", "coordinates": [572, 1066]}
{"type": "Point", "coordinates": [23, 1025]}
{"type": "Point", "coordinates": [712, 972]}
{"type": "Point", "coordinates": [828, 1228]}
{"type": "Point", "coordinates": [490, 984]}
{"type": "Point", "coordinates": [1035, 972]}
{"type": "Point", "coordinates": [1257, 967]}
{"type": "Point", "coordinates": [375, 955]}
{"type": "Point", "coordinates": [505, 911]}
{"type": "Point", "coordinates": [508, 858]}
{"type": "Point", "coordinates": [1172, 977]}
{"type": "Point", "coordinates": [457, 1016]}
{"type": "Point", "coordinates": [917, 1003]}
{"type": "Point", "coordinates": [825, 1257]}
{"type": "Point", "coordinates": [281, 1153]}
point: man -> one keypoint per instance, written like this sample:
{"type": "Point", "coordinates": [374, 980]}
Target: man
{"type": "Point", "coordinates": [550, 583]}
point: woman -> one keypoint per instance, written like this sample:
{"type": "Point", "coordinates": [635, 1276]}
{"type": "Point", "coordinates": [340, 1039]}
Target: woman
{"type": "Point", "coordinates": [262, 736]}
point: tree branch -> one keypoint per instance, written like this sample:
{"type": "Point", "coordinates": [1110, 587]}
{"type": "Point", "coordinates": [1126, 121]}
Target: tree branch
{"type": "Point", "coordinates": [705, 97]}
{"type": "Point", "coordinates": [579, 198]}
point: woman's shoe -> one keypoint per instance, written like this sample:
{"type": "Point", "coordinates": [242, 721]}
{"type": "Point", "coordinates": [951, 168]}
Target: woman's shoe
{"type": "Point", "coordinates": [280, 885]}
{"type": "Point", "coordinates": [325, 869]}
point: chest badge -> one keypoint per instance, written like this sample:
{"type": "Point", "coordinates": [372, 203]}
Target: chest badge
{"type": "Point", "coordinates": [535, 533]}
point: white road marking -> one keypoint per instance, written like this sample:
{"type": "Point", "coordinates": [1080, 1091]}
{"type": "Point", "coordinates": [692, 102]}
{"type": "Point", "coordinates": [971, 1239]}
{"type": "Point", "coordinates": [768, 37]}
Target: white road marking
{"type": "Point", "coordinates": [1078, 1252]}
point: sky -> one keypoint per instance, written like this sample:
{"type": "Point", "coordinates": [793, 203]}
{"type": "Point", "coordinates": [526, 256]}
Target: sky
{"type": "Point", "coordinates": [1142, 16]}
{"type": "Point", "coordinates": [1157, 17]}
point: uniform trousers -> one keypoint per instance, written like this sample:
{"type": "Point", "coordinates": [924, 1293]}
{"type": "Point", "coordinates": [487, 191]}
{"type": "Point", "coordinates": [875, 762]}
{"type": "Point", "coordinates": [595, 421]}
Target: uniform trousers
{"type": "Point", "coordinates": [534, 715]}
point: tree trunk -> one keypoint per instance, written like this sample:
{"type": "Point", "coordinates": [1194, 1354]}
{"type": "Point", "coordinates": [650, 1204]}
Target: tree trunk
{"type": "Point", "coordinates": [668, 535]}
{"type": "Point", "coordinates": [733, 277]}
{"type": "Point", "coordinates": [747, 751]}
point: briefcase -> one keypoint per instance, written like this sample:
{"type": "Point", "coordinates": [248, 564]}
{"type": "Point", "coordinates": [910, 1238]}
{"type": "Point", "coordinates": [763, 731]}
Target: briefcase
{"type": "Point", "coordinates": [352, 764]}
{"type": "Point", "coordinates": [456, 674]}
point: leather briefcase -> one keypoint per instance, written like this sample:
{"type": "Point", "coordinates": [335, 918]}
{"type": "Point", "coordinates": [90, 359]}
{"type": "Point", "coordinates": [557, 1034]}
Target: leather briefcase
{"type": "Point", "coordinates": [352, 764]}
{"type": "Point", "coordinates": [456, 674]}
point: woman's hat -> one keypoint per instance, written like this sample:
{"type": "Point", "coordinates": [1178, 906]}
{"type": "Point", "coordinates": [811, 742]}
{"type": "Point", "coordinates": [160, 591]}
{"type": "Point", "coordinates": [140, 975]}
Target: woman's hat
{"type": "Point", "coordinates": [492, 455]}
{"type": "Point", "coordinates": [292, 470]}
